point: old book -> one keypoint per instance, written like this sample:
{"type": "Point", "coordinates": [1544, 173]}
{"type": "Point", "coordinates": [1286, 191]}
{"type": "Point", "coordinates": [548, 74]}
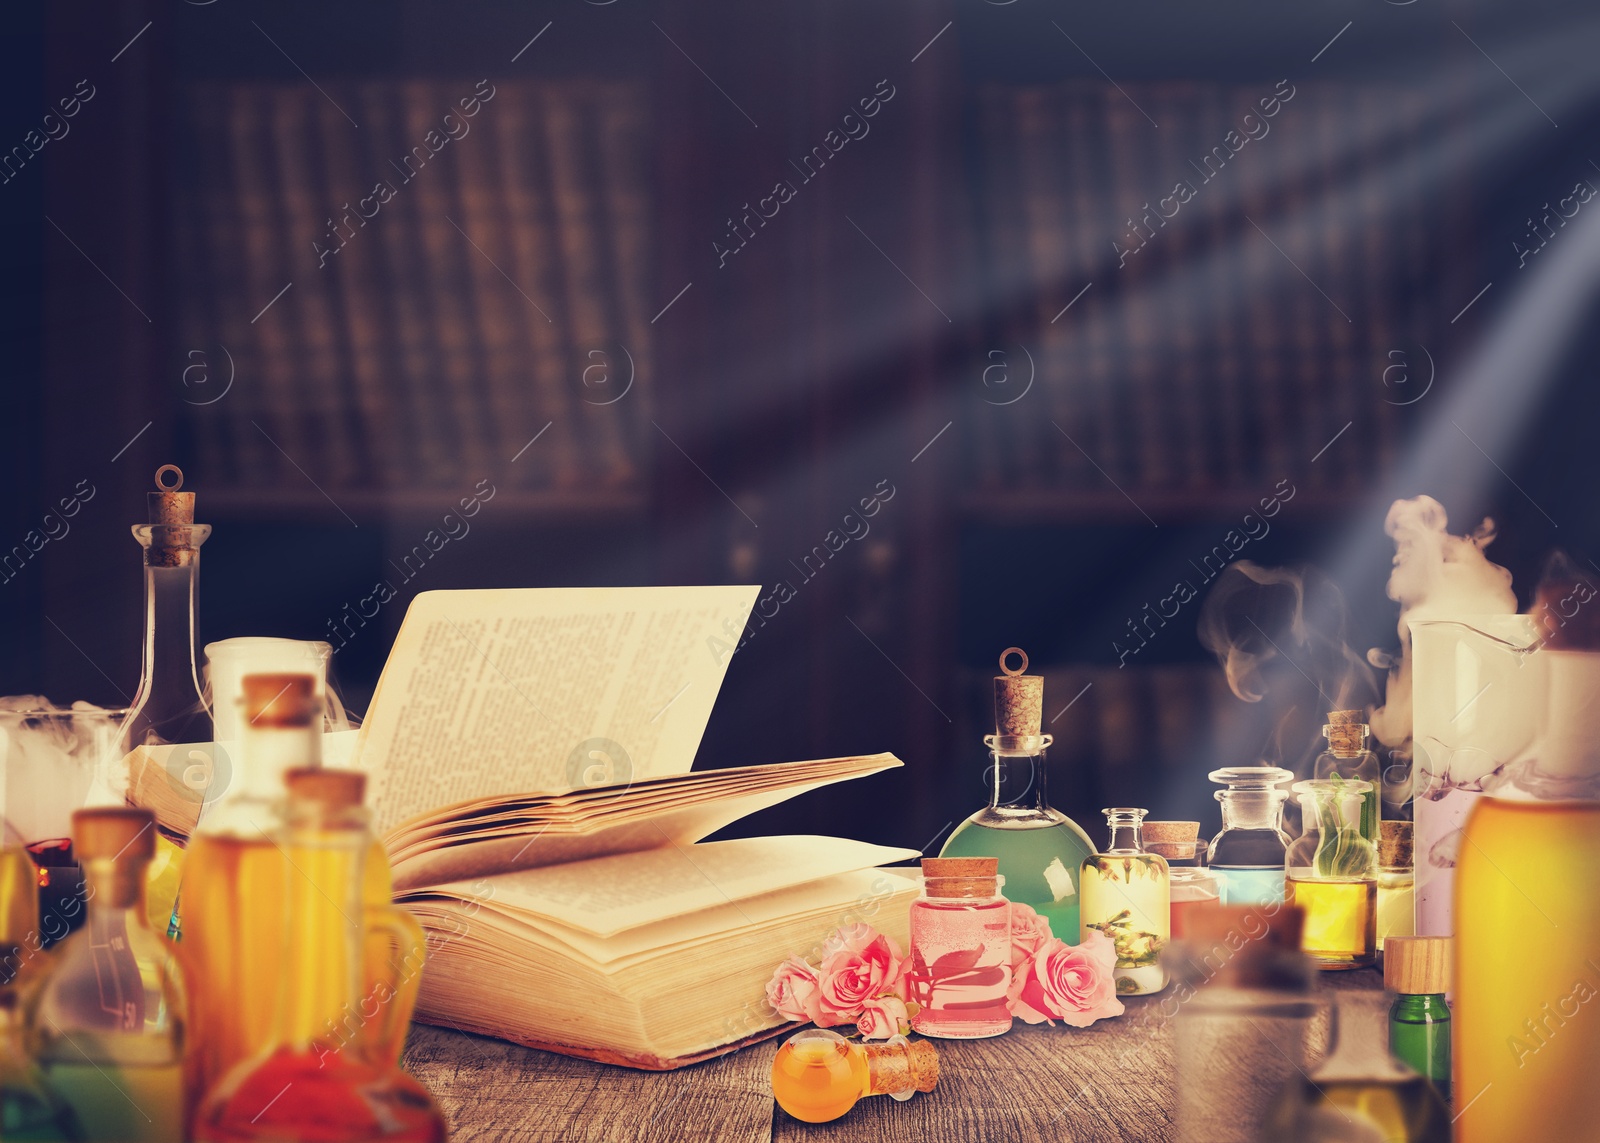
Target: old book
{"type": "Point", "coordinates": [529, 755]}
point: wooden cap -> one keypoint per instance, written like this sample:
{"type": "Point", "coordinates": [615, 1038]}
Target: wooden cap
{"type": "Point", "coordinates": [121, 832]}
{"type": "Point", "coordinates": [902, 1066]}
{"type": "Point", "coordinates": [1345, 728]}
{"type": "Point", "coordinates": [1394, 843]}
{"type": "Point", "coordinates": [1416, 966]}
{"type": "Point", "coordinates": [280, 699]}
{"type": "Point", "coordinates": [335, 789]}
{"type": "Point", "coordinates": [1018, 698]}
{"type": "Point", "coordinates": [961, 876]}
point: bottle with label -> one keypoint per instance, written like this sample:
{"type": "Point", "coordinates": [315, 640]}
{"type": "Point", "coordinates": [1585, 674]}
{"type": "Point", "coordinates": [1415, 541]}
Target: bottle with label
{"type": "Point", "coordinates": [1040, 849]}
{"type": "Point", "coordinates": [336, 1089]}
{"type": "Point", "coordinates": [236, 885]}
{"type": "Point", "coordinates": [1247, 855]}
{"type": "Point", "coordinates": [1331, 872]}
{"type": "Point", "coordinates": [108, 1023]}
{"type": "Point", "coordinates": [1397, 916]}
{"type": "Point", "coordinates": [1348, 756]}
{"type": "Point", "coordinates": [1126, 896]}
{"type": "Point", "coordinates": [1417, 971]}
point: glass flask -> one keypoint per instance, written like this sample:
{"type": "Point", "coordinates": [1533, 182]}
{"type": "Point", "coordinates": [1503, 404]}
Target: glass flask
{"type": "Point", "coordinates": [1243, 991]}
{"type": "Point", "coordinates": [1040, 849]}
{"type": "Point", "coordinates": [339, 1093]}
{"type": "Point", "coordinates": [1526, 971]}
{"type": "Point", "coordinates": [1348, 756]}
{"type": "Point", "coordinates": [960, 967]}
{"type": "Point", "coordinates": [1360, 1091]}
{"type": "Point", "coordinates": [108, 1022]}
{"type": "Point", "coordinates": [1397, 916]}
{"type": "Point", "coordinates": [818, 1075]}
{"type": "Point", "coordinates": [1126, 896]}
{"type": "Point", "coordinates": [1332, 874]}
{"type": "Point", "coordinates": [237, 881]}
{"type": "Point", "coordinates": [29, 1110]}
{"type": "Point", "coordinates": [1417, 971]}
{"type": "Point", "coordinates": [1247, 855]}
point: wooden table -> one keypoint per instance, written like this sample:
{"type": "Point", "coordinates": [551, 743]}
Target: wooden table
{"type": "Point", "coordinates": [1110, 1082]}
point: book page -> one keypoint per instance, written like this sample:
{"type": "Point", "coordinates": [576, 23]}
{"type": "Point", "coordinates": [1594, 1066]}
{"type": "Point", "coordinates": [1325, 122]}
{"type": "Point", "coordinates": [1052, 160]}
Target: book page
{"type": "Point", "coordinates": [607, 895]}
{"type": "Point", "coordinates": [494, 692]}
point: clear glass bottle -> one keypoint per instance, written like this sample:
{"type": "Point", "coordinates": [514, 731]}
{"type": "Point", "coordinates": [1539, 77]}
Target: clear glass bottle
{"type": "Point", "coordinates": [1417, 971]}
{"type": "Point", "coordinates": [1126, 896]}
{"type": "Point", "coordinates": [1397, 915]}
{"type": "Point", "coordinates": [1348, 756]}
{"type": "Point", "coordinates": [960, 967]}
{"type": "Point", "coordinates": [336, 1091]}
{"type": "Point", "coordinates": [1247, 855]}
{"type": "Point", "coordinates": [108, 1022]}
{"type": "Point", "coordinates": [1360, 1091]}
{"type": "Point", "coordinates": [1040, 849]}
{"type": "Point", "coordinates": [1331, 872]}
{"type": "Point", "coordinates": [237, 880]}
{"type": "Point", "coordinates": [170, 705]}
{"type": "Point", "coordinates": [818, 1075]}
{"type": "Point", "coordinates": [1243, 991]}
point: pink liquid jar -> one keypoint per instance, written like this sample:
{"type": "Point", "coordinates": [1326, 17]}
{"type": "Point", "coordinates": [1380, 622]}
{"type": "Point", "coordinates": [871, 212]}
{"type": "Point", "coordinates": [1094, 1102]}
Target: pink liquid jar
{"type": "Point", "coordinates": [960, 950]}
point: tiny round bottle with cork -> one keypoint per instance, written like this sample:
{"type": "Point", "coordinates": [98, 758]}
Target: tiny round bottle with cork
{"type": "Point", "coordinates": [960, 950]}
{"type": "Point", "coordinates": [1417, 971]}
{"type": "Point", "coordinates": [818, 1075]}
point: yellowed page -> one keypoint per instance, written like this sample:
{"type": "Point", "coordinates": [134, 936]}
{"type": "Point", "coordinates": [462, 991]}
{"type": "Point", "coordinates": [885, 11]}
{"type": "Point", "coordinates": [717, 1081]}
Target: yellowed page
{"type": "Point", "coordinates": [497, 692]}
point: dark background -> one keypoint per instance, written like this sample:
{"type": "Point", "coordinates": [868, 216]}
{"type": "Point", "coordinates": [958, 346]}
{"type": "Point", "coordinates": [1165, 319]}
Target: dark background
{"type": "Point", "coordinates": [852, 330]}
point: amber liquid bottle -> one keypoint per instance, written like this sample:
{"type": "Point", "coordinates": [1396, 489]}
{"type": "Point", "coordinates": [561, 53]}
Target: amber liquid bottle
{"type": "Point", "coordinates": [337, 1090]}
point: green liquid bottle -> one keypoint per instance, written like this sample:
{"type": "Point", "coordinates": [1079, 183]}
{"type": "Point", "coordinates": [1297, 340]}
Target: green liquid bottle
{"type": "Point", "coordinates": [1417, 970]}
{"type": "Point", "coordinates": [1040, 850]}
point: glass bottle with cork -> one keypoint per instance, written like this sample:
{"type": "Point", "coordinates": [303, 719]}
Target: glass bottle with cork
{"type": "Point", "coordinates": [1247, 855]}
{"type": "Point", "coordinates": [1126, 896]}
{"type": "Point", "coordinates": [1417, 971]}
{"type": "Point", "coordinates": [340, 1089]}
{"type": "Point", "coordinates": [108, 1023]}
{"type": "Point", "coordinates": [1040, 850]}
{"type": "Point", "coordinates": [1526, 972]}
{"type": "Point", "coordinates": [1348, 756]}
{"type": "Point", "coordinates": [818, 1075]}
{"type": "Point", "coordinates": [1331, 872]}
{"type": "Point", "coordinates": [1397, 916]}
{"type": "Point", "coordinates": [960, 968]}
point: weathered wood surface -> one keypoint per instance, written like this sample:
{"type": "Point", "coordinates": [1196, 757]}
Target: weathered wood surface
{"type": "Point", "coordinates": [1110, 1083]}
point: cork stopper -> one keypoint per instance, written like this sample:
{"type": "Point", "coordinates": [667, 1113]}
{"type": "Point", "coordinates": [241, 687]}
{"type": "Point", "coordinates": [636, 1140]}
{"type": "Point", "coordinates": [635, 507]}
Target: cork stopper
{"type": "Point", "coordinates": [1394, 844]}
{"type": "Point", "coordinates": [121, 833]}
{"type": "Point", "coordinates": [331, 789]}
{"type": "Point", "coordinates": [1018, 707]}
{"type": "Point", "coordinates": [1175, 841]}
{"type": "Point", "coordinates": [961, 876]}
{"type": "Point", "coordinates": [901, 1067]}
{"type": "Point", "coordinates": [173, 532]}
{"type": "Point", "coordinates": [280, 700]}
{"type": "Point", "coordinates": [1416, 966]}
{"type": "Point", "coordinates": [1346, 731]}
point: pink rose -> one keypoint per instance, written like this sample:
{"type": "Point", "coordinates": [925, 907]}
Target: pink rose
{"type": "Point", "coordinates": [1029, 932]}
{"type": "Point", "coordinates": [882, 1018]}
{"type": "Point", "coordinates": [792, 991]}
{"type": "Point", "coordinates": [1071, 983]}
{"type": "Point", "coordinates": [854, 975]}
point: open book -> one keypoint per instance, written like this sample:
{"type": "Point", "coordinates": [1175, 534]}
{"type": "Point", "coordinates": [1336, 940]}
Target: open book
{"type": "Point", "coordinates": [529, 758]}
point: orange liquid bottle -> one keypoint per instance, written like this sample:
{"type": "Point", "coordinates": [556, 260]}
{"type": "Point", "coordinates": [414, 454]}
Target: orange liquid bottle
{"type": "Point", "coordinates": [818, 1075]}
{"type": "Point", "coordinates": [340, 1092]}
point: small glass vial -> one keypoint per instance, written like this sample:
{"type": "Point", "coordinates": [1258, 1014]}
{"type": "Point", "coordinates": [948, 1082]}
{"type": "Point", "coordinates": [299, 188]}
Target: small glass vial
{"type": "Point", "coordinates": [1247, 856]}
{"type": "Point", "coordinates": [1417, 970]}
{"type": "Point", "coordinates": [1126, 896]}
{"type": "Point", "coordinates": [1397, 915]}
{"type": "Point", "coordinates": [960, 950]}
{"type": "Point", "coordinates": [108, 1021]}
{"type": "Point", "coordinates": [1360, 1091]}
{"type": "Point", "coordinates": [818, 1075]}
{"type": "Point", "coordinates": [1331, 872]}
{"type": "Point", "coordinates": [1347, 756]}
{"type": "Point", "coordinates": [1193, 890]}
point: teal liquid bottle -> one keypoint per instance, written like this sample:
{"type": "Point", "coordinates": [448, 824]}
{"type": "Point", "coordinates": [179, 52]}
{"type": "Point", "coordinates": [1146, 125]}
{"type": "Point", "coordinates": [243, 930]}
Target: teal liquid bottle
{"type": "Point", "coordinates": [1247, 856]}
{"type": "Point", "coordinates": [1040, 850]}
{"type": "Point", "coordinates": [1417, 971]}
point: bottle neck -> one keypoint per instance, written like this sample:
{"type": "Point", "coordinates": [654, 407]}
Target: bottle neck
{"type": "Point", "coordinates": [114, 887]}
{"type": "Point", "coordinates": [269, 752]}
{"type": "Point", "coordinates": [170, 705]}
{"type": "Point", "coordinates": [1252, 809]}
{"type": "Point", "coordinates": [1429, 1007]}
{"type": "Point", "coordinates": [1361, 1042]}
{"type": "Point", "coordinates": [1019, 781]}
{"type": "Point", "coordinates": [320, 985]}
{"type": "Point", "coordinates": [1126, 837]}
